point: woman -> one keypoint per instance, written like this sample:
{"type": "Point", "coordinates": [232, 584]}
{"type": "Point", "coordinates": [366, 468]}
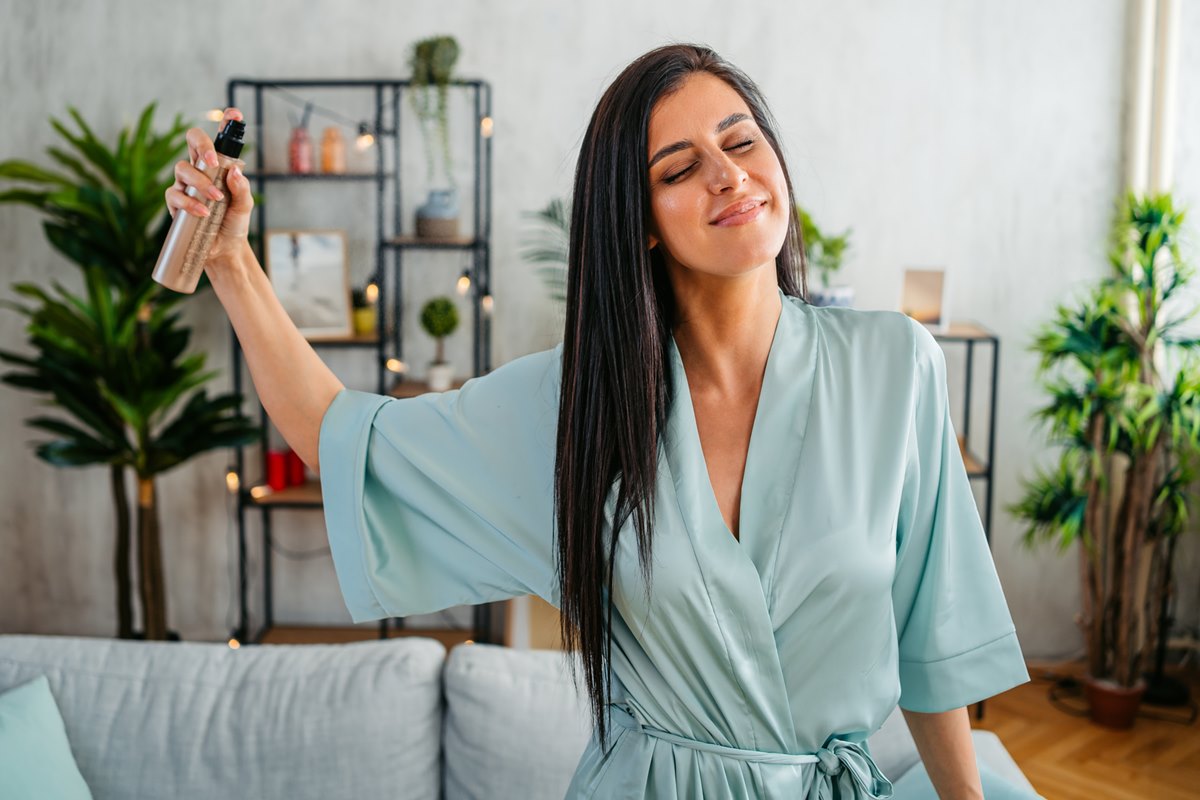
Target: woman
{"type": "Point", "coordinates": [797, 548]}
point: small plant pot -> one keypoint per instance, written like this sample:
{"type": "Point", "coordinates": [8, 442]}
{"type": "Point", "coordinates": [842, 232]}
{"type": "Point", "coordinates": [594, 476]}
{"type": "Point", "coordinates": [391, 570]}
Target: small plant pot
{"type": "Point", "coordinates": [438, 218]}
{"type": "Point", "coordinates": [842, 296]}
{"type": "Point", "coordinates": [1111, 705]}
{"type": "Point", "coordinates": [365, 321]}
{"type": "Point", "coordinates": [440, 376]}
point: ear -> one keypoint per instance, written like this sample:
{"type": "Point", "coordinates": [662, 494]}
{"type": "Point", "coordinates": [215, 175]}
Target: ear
{"type": "Point", "coordinates": [652, 242]}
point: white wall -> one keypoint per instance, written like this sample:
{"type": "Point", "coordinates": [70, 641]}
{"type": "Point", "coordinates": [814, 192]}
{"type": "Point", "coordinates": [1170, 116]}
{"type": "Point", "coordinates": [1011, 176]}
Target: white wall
{"type": "Point", "coordinates": [983, 137]}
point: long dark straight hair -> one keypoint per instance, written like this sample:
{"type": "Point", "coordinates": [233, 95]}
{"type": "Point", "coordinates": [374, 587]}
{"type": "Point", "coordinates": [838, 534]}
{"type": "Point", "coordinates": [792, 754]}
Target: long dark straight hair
{"type": "Point", "coordinates": [616, 383]}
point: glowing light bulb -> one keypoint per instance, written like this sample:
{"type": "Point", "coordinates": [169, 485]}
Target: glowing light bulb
{"type": "Point", "coordinates": [372, 292]}
{"type": "Point", "coordinates": [215, 115]}
{"type": "Point", "coordinates": [260, 491]}
{"type": "Point", "coordinates": [396, 365]}
{"type": "Point", "coordinates": [486, 303]}
{"type": "Point", "coordinates": [464, 283]}
{"type": "Point", "coordinates": [234, 644]}
{"type": "Point", "coordinates": [231, 481]}
{"type": "Point", "coordinates": [365, 139]}
{"type": "Point", "coordinates": [485, 127]}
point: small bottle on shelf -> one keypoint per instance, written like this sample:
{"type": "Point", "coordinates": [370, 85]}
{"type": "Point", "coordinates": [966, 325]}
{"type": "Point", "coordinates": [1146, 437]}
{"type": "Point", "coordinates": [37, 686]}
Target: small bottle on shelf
{"type": "Point", "coordinates": [333, 151]}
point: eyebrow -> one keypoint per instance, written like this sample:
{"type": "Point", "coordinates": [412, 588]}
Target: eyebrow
{"type": "Point", "coordinates": [684, 144]}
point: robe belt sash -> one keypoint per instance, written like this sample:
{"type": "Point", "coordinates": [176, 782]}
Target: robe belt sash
{"type": "Point", "coordinates": [837, 755]}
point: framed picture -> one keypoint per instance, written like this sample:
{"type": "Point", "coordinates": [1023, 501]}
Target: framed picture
{"type": "Point", "coordinates": [308, 270]}
{"type": "Point", "coordinates": [923, 297]}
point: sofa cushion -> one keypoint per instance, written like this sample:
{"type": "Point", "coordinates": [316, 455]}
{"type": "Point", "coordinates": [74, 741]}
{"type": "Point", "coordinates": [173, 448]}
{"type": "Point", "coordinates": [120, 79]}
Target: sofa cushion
{"type": "Point", "coordinates": [915, 785]}
{"type": "Point", "coordinates": [514, 719]}
{"type": "Point", "coordinates": [35, 755]}
{"type": "Point", "coordinates": [186, 720]}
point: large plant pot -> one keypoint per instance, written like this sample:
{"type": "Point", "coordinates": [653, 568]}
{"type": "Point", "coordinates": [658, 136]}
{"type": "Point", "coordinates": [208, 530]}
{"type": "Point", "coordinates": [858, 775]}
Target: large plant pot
{"type": "Point", "coordinates": [1112, 705]}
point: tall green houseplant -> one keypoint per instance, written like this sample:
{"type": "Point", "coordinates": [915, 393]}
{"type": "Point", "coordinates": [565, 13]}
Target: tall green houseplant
{"type": "Point", "coordinates": [111, 359]}
{"type": "Point", "coordinates": [1129, 432]}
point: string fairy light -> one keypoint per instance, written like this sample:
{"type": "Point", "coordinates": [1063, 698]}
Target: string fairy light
{"type": "Point", "coordinates": [366, 133]}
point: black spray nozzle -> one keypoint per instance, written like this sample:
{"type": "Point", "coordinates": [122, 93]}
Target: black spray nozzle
{"type": "Point", "coordinates": [229, 140]}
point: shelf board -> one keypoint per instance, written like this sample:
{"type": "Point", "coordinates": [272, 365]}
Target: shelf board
{"type": "Point", "coordinates": [415, 388]}
{"type": "Point", "coordinates": [312, 634]}
{"type": "Point", "coordinates": [975, 465]}
{"type": "Point", "coordinates": [318, 176]}
{"type": "Point", "coordinates": [301, 495]}
{"type": "Point", "coordinates": [423, 242]}
{"type": "Point", "coordinates": [962, 331]}
{"type": "Point", "coordinates": [357, 340]}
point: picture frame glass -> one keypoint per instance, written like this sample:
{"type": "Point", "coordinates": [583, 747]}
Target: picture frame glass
{"type": "Point", "coordinates": [923, 296]}
{"type": "Point", "coordinates": [308, 271]}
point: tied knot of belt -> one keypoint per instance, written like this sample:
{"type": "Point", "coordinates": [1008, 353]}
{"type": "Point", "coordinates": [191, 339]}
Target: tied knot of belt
{"type": "Point", "coordinates": [829, 763]}
{"type": "Point", "coordinates": [835, 761]}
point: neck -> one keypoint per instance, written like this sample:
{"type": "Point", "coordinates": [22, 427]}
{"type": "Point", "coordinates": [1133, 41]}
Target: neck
{"type": "Point", "coordinates": [724, 328]}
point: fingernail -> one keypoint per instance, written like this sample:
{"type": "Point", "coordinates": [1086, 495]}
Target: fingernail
{"type": "Point", "coordinates": [214, 192]}
{"type": "Point", "coordinates": [212, 158]}
{"type": "Point", "coordinates": [237, 172]}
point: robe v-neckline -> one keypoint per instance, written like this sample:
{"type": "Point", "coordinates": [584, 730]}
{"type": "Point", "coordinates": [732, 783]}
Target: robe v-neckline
{"type": "Point", "coordinates": [781, 416]}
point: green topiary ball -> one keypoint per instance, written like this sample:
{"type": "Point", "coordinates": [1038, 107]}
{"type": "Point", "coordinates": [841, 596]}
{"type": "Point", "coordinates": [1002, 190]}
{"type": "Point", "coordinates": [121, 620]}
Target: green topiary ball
{"type": "Point", "coordinates": [439, 317]}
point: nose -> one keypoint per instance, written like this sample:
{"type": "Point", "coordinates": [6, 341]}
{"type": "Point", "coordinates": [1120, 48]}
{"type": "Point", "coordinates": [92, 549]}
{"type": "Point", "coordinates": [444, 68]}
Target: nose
{"type": "Point", "coordinates": [726, 175]}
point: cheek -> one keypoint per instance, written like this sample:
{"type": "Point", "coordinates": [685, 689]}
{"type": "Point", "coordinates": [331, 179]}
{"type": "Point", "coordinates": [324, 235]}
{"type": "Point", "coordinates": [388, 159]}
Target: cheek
{"type": "Point", "coordinates": [674, 212]}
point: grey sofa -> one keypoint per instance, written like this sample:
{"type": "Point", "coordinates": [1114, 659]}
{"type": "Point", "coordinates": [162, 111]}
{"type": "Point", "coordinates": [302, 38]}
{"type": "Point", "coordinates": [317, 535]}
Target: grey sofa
{"type": "Point", "coordinates": [380, 719]}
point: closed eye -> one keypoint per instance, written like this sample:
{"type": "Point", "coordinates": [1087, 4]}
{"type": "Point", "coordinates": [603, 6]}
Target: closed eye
{"type": "Point", "coordinates": [740, 146]}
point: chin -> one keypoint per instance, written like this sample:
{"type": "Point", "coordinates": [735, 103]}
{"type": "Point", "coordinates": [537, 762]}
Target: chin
{"type": "Point", "coordinates": [751, 251]}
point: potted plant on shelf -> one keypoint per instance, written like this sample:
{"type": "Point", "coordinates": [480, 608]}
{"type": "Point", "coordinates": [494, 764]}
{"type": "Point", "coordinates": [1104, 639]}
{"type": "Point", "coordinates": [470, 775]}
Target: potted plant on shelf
{"type": "Point", "coordinates": [439, 318]}
{"type": "Point", "coordinates": [1129, 429]}
{"type": "Point", "coordinates": [432, 64]}
{"type": "Point", "coordinates": [112, 358]}
{"type": "Point", "coordinates": [825, 254]}
{"type": "Point", "coordinates": [365, 317]}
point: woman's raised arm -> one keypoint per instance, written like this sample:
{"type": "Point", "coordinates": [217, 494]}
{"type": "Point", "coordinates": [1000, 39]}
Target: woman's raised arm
{"type": "Point", "coordinates": [294, 385]}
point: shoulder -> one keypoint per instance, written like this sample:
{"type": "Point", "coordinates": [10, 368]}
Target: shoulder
{"type": "Point", "coordinates": [525, 379]}
{"type": "Point", "coordinates": [891, 335]}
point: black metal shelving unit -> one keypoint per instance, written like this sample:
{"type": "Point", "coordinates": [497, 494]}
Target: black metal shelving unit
{"type": "Point", "coordinates": [391, 250]}
{"type": "Point", "coordinates": [971, 335]}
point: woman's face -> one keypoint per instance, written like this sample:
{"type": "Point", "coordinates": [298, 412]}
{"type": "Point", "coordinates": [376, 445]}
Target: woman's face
{"type": "Point", "coordinates": [717, 192]}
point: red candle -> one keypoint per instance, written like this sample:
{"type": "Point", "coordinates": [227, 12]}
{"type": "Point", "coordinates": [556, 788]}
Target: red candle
{"type": "Point", "coordinates": [295, 469]}
{"type": "Point", "coordinates": [276, 469]}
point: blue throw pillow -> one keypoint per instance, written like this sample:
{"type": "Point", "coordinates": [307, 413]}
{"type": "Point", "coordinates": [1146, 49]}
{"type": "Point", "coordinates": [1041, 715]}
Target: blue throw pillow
{"type": "Point", "coordinates": [35, 756]}
{"type": "Point", "coordinates": [915, 785]}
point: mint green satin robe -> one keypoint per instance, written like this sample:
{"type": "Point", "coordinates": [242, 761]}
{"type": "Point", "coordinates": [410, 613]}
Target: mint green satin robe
{"type": "Point", "coordinates": [750, 669]}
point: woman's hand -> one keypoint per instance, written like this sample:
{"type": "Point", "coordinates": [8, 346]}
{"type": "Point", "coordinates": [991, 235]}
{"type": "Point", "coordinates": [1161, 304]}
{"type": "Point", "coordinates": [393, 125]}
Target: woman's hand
{"type": "Point", "coordinates": [192, 186]}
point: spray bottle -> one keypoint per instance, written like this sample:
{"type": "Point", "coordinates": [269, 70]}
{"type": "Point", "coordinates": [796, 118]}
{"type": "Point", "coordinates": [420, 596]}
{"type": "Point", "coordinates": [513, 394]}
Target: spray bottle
{"type": "Point", "coordinates": [186, 248]}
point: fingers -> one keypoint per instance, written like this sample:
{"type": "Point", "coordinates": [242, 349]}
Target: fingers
{"type": "Point", "coordinates": [177, 199]}
{"type": "Point", "coordinates": [240, 198]}
{"type": "Point", "coordinates": [200, 145]}
{"type": "Point", "coordinates": [194, 182]}
{"type": "Point", "coordinates": [191, 182]}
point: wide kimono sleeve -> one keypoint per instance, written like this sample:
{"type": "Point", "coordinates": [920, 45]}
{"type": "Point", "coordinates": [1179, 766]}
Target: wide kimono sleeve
{"type": "Point", "coordinates": [444, 499]}
{"type": "Point", "coordinates": [956, 639]}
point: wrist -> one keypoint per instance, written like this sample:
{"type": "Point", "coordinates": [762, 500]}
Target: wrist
{"type": "Point", "coordinates": [231, 268]}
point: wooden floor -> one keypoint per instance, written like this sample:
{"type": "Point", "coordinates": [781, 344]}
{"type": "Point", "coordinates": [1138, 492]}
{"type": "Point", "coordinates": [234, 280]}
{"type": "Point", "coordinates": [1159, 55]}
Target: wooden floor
{"type": "Point", "coordinates": [1067, 757]}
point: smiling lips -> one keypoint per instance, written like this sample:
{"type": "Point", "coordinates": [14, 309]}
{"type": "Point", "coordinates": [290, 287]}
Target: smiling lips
{"type": "Point", "coordinates": [740, 213]}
